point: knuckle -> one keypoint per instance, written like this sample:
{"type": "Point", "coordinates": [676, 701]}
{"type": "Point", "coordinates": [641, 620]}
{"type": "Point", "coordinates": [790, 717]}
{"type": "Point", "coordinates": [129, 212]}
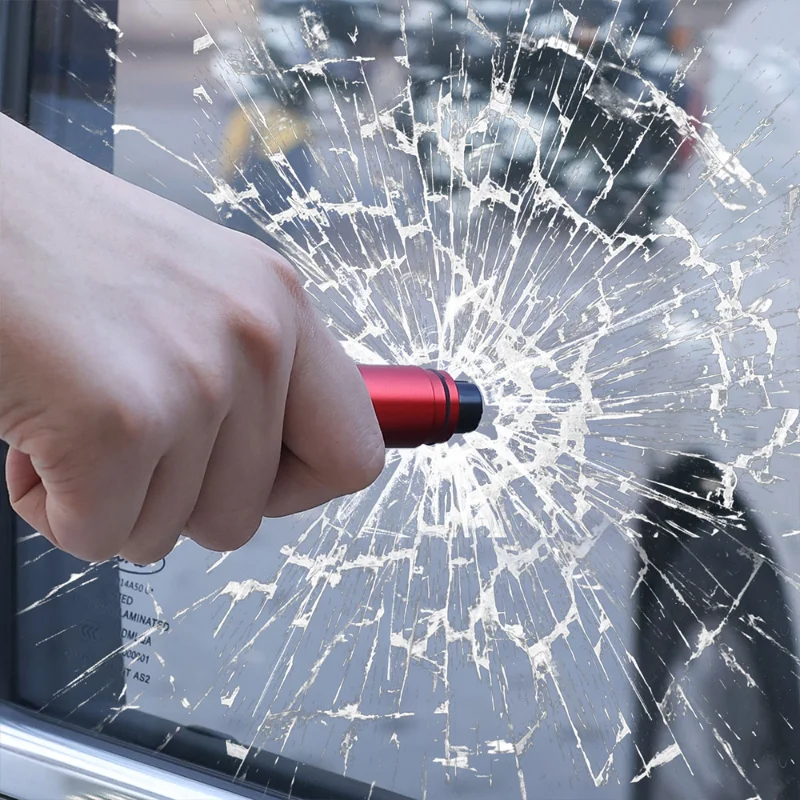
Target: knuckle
{"type": "Point", "coordinates": [291, 281]}
{"type": "Point", "coordinates": [289, 277]}
{"type": "Point", "coordinates": [130, 417]}
{"type": "Point", "coordinates": [263, 344]}
{"type": "Point", "coordinates": [210, 388]}
{"type": "Point", "coordinates": [261, 332]}
{"type": "Point", "coordinates": [264, 323]}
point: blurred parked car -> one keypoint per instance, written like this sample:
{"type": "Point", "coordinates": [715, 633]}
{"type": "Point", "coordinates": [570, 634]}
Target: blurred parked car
{"type": "Point", "coordinates": [570, 97]}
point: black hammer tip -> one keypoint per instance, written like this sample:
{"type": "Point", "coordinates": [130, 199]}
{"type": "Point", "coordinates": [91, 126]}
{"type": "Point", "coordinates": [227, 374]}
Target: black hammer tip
{"type": "Point", "coordinates": [470, 407]}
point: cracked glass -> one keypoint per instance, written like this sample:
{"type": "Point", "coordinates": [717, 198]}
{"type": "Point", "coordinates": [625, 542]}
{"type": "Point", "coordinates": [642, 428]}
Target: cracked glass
{"type": "Point", "coordinates": [587, 207]}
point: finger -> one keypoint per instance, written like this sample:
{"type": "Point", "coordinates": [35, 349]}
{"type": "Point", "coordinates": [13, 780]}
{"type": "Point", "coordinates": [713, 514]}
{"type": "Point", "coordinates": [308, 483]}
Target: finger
{"type": "Point", "coordinates": [170, 501]}
{"type": "Point", "coordinates": [26, 493]}
{"type": "Point", "coordinates": [87, 503]}
{"type": "Point", "coordinates": [243, 463]}
{"type": "Point", "coordinates": [330, 428]}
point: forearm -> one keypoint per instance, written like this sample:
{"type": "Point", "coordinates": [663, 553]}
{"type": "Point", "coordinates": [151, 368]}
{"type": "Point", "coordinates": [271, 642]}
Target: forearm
{"type": "Point", "coordinates": [39, 182]}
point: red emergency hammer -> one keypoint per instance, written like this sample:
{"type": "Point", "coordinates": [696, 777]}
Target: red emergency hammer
{"type": "Point", "coordinates": [417, 406]}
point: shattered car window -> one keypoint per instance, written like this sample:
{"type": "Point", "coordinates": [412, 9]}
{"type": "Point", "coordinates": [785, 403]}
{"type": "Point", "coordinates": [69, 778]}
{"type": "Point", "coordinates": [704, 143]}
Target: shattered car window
{"type": "Point", "coordinates": [588, 208]}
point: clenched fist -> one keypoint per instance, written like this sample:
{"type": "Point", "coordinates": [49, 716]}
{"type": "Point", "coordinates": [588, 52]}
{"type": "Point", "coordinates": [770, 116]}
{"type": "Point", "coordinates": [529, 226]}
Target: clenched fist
{"type": "Point", "coordinates": [159, 374]}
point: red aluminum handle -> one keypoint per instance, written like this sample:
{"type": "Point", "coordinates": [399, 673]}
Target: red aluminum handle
{"type": "Point", "coordinates": [417, 406]}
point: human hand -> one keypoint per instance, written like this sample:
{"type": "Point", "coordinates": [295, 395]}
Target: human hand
{"type": "Point", "coordinates": [160, 374]}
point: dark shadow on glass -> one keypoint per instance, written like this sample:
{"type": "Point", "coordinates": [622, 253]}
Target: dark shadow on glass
{"type": "Point", "coordinates": [708, 562]}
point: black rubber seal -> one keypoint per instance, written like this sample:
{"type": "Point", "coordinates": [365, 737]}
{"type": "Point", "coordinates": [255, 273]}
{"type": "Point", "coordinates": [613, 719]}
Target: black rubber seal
{"type": "Point", "coordinates": [448, 405]}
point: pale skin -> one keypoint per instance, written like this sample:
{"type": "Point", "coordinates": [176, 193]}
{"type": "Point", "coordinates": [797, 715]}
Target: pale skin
{"type": "Point", "coordinates": [159, 374]}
